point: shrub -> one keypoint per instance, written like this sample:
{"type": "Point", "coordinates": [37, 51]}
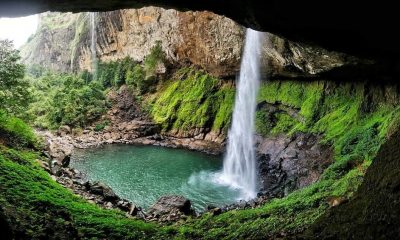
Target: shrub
{"type": "Point", "coordinates": [66, 100]}
{"type": "Point", "coordinates": [100, 126]}
{"type": "Point", "coordinates": [155, 57]}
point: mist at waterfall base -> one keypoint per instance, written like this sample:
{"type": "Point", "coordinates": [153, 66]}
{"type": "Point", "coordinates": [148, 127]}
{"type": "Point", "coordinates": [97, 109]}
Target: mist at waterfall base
{"type": "Point", "coordinates": [239, 168]}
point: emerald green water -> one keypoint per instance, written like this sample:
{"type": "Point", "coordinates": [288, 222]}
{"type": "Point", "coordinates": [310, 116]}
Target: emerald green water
{"type": "Point", "coordinates": [142, 174]}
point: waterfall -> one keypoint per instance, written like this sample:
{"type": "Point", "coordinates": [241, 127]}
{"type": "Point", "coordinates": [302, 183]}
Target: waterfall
{"type": "Point", "coordinates": [93, 40]}
{"type": "Point", "coordinates": [239, 169]}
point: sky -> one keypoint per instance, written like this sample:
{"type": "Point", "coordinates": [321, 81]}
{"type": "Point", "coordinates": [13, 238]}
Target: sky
{"type": "Point", "coordinates": [18, 29]}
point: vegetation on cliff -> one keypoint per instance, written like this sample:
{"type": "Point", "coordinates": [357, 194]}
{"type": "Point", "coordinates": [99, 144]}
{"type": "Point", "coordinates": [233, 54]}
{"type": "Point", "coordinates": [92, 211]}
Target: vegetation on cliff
{"type": "Point", "coordinates": [192, 99]}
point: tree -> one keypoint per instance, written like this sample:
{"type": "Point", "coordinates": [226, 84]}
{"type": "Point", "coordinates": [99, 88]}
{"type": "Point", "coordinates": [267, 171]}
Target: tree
{"type": "Point", "coordinates": [14, 89]}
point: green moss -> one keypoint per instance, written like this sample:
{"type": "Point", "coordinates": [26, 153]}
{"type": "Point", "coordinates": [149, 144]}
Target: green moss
{"type": "Point", "coordinates": [284, 123]}
{"type": "Point", "coordinates": [225, 98]}
{"type": "Point", "coordinates": [193, 99]}
{"type": "Point", "coordinates": [335, 110]}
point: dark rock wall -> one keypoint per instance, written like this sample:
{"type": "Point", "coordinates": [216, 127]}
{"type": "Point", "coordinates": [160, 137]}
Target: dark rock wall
{"type": "Point", "coordinates": [352, 27]}
{"type": "Point", "coordinates": [289, 163]}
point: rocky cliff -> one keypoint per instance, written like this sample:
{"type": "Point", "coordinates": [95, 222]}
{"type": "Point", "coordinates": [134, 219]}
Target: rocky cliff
{"type": "Point", "coordinates": [204, 39]}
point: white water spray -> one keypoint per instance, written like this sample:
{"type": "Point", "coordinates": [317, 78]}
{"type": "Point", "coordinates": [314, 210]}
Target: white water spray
{"type": "Point", "coordinates": [239, 169]}
{"type": "Point", "coordinates": [93, 40]}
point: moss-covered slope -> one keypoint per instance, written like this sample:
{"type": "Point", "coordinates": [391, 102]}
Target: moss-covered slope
{"type": "Point", "coordinates": [193, 99]}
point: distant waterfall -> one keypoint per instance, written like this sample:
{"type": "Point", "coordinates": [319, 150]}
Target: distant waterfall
{"type": "Point", "coordinates": [93, 40]}
{"type": "Point", "coordinates": [239, 170]}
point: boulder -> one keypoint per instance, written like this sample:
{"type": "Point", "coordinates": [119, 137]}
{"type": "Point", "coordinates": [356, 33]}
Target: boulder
{"type": "Point", "coordinates": [102, 189]}
{"type": "Point", "coordinates": [128, 207]}
{"type": "Point", "coordinates": [170, 205]}
{"type": "Point", "coordinates": [60, 149]}
{"type": "Point", "coordinates": [64, 130]}
{"type": "Point", "coordinates": [115, 136]}
{"type": "Point", "coordinates": [66, 160]}
{"type": "Point", "coordinates": [107, 136]}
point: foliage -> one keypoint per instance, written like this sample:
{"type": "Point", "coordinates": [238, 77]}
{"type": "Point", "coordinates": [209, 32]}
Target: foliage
{"type": "Point", "coordinates": [36, 70]}
{"type": "Point", "coordinates": [121, 70]}
{"type": "Point", "coordinates": [155, 57]}
{"type": "Point", "coordinates": [117, 73]}
{"type": "Point", "coordinates": [106, 73]}
{"type": "Point", "coordinates": [14, 89]}
{"type": "Point", "coordinates": [16, 131]}
{"type": "Point", "coordinates": [86, 76]}
{"type": "Point", "coordinates": [62, 99]}
{"type": "Point", "coordinates": [100, 126]}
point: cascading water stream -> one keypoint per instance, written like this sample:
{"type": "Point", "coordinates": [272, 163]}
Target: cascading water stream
{"type": "Point", "coordinates": [93, 40]}
{"type": "Point", "coordinates": [239, 169]}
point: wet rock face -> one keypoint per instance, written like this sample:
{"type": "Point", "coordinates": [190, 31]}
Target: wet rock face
{"type": "Point", "coordinates": [289, 163]}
